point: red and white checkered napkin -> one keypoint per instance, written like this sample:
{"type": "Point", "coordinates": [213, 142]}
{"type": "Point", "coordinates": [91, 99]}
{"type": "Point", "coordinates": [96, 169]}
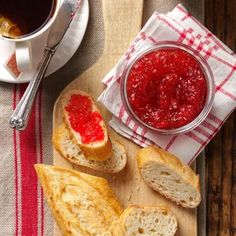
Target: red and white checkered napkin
{"type": "Point", "coordinates": [178, 25]}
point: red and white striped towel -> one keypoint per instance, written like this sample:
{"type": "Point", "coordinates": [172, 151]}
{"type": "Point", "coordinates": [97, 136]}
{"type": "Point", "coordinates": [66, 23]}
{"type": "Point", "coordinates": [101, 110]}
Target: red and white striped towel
{"type": "Point", "coordinates": [178, 25]}
{"type": "Point", "coordinates": [23, 211]}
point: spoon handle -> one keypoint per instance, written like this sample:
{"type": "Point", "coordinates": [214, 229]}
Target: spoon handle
{"type": "Point", "coordinates": [20, 115]}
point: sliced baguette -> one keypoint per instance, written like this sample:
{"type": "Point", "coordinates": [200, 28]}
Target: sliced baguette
{"type": "Point", "coordinates": [95, 150]}
{"type": "Point", "coordinates": [81, 204]}
{"type": "Point", "coordinates": [148, 221]}
{"type": "Point", "coordinates": [166, 174]}
{"type": "Point", "coordinates": [72, 152]}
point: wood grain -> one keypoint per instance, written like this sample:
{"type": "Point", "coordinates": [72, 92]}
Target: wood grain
{"type": "Point", "coordinates": [220, 18]}
{"type": "Point", "coordinates": [122, 21]}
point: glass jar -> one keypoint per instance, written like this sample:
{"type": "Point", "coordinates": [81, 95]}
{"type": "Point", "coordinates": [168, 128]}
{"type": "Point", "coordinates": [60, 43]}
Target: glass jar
{"type": "Point", "coordinates": [210, 87]}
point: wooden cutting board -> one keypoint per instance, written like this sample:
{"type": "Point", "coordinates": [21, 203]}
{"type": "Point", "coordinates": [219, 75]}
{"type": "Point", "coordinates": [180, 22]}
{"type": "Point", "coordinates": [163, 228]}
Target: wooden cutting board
{"type": "Point", "coordinates": [122, 22]}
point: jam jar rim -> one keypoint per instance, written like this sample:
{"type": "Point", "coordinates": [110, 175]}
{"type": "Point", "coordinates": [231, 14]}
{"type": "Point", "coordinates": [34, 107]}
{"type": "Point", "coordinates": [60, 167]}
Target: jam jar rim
{"type": "Point", "coordinates": [209, 78]}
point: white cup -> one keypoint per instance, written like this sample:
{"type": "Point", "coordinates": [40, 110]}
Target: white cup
{"type": "Point", "coordinates": [23, 43]}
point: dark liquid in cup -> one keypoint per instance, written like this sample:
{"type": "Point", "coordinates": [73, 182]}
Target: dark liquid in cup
{"type": "Point", "coordinates": [21, 17]}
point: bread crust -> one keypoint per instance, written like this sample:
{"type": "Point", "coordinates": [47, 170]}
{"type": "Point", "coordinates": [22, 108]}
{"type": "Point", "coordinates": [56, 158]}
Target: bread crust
{"type": "Point", "coordinates": [47, 192]}
{"type": "Point", "coordinates": [158, 155]}
{"type": "Point", "coordinates": [100, 152]}
{"type": "Point", "coordinates": [99, 185]}
{"type": "Point", "coordinates": [102, 186]}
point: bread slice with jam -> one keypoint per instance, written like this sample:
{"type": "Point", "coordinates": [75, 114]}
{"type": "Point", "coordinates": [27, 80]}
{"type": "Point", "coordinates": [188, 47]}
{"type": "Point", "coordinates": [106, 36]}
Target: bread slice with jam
{"type": "Point", "coordinates": [72, 152]}
{"type": "Point", "coordinates": [86, 125]}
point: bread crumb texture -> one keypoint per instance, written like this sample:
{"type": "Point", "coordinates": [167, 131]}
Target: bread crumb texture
{"type": "Point", "coordinates": [166, 174]}
{"type": "Point", "coordinates": [148, 221]}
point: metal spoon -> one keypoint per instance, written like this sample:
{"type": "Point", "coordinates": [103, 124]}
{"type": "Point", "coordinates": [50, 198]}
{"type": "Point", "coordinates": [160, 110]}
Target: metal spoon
{"type": "Point", "coordinates": [20, 116]}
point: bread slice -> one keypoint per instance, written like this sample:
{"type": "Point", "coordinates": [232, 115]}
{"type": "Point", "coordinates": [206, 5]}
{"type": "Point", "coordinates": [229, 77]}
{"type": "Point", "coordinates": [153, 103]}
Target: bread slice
{"type": "Point", "coordinates": [86, 115]}
{"type": "Point", "coordinates": [148, 221]}
{"type": "Point", "coordinates": [72, 152]}
{"type": "Point", "coordinates": [166, 174]}
{"type": "Point", "coordinates": [81, 204]}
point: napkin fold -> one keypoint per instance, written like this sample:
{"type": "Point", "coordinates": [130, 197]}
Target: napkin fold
{"type": "Point", "coordinates": [180, 26]}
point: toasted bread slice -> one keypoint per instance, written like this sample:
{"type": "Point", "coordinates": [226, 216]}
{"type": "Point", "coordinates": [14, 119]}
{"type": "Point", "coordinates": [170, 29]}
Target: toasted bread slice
{"type": "Point", "coordinates": [72, 152]}
{"type": "Point", "coordinates": [86, 125]}
{"type": "Point", "coordinates": [81, 204]}
{"type": "Point", "coordinates": [148, 221]}
{"type": "Point", "coordinates": [166, 174]}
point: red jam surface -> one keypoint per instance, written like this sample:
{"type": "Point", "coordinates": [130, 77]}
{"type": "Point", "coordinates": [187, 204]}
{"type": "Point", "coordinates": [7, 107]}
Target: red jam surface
{"type": "Point", "coordinates": [83, 120]}
{"type": "Point", "coordinates": [166, 88]}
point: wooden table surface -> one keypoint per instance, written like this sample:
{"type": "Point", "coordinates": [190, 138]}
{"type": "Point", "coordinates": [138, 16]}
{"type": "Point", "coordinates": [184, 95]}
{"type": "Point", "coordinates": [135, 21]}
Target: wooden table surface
{"type": "Point", "coordinates": [220, 18]}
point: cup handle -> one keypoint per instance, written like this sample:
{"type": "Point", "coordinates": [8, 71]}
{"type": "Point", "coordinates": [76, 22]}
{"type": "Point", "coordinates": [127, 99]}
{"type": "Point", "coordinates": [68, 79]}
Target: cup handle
{"type": "Point", "coordinates": [23, 56]}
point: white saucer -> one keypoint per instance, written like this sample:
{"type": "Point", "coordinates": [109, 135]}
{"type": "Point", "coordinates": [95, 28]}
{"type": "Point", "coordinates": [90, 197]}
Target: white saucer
{"type": "Point", "coordinates": [65, 51]}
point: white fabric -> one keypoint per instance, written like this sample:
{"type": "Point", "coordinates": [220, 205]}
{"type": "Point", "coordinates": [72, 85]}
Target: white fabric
{"type": "Point", "coordinates": [162, 27]}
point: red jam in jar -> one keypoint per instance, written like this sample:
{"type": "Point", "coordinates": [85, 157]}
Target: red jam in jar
{"type": "Point", "coordinates": [166, 88]}
{"type": "Point", "coordinates": [84, 120]}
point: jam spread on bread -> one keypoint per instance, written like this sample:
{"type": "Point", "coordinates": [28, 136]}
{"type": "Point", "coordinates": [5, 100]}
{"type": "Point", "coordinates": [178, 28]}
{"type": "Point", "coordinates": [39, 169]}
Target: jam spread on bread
{"type": "Point", "coordinates": [166, 88]}
{"type": "Point", "coordinates": [84, 120]}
